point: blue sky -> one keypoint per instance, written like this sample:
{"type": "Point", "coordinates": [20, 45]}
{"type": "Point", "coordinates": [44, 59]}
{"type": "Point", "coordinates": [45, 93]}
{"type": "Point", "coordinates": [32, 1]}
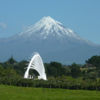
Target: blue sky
{"type": "Point", "coordinates": [82, 16]}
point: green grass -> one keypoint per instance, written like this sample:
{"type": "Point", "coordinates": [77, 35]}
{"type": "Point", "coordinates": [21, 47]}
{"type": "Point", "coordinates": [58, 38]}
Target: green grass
{"type": "Point", "coordinates": [22, 93]}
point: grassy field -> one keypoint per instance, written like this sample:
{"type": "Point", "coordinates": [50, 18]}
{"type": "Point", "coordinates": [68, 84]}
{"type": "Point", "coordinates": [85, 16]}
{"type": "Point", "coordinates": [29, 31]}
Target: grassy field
{"type": "Point", "coordinates": [21, 93]}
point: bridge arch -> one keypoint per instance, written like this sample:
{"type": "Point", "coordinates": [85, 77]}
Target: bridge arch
{"type": "Point", "coordinates": [36, 63]}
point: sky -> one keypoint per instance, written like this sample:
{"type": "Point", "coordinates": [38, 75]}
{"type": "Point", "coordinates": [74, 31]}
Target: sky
{"type": "Point", "coordinates": [82, 16]}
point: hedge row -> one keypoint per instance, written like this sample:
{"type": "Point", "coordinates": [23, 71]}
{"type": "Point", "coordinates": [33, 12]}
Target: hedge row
{"type": "Point", "coordinates": [52, 84]}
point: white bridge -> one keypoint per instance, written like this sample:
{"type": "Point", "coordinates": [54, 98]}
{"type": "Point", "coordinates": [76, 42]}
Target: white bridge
{"type": "Point", "coordinates": [36, 63]}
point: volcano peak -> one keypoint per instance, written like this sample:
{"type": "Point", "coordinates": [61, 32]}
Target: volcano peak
{"type": "Point", "coordinates": [46, 27]}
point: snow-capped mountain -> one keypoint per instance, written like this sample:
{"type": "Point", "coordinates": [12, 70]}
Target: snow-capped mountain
{"type": "Point", "coordinates": [48, 26]}
{"type": "Point", "coordinates": [52, 40]}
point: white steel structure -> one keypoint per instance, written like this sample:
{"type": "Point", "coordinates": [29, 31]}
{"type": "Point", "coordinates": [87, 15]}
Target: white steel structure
{"type": "Point", "coordinates": [36, 63]}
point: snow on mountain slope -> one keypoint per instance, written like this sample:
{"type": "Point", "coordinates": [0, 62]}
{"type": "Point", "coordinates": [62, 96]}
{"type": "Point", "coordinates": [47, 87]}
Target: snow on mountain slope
{"type": "Point", "coordinates": [48, 26]}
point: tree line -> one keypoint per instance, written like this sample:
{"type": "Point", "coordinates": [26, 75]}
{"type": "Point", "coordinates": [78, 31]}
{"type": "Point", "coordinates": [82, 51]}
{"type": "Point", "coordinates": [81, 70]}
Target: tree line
{"type": "Point", "coordinates": [74, 76]}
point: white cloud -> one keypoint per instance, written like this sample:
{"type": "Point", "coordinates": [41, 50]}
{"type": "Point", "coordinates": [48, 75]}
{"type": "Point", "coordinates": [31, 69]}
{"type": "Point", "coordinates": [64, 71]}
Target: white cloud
{"type": "Point", "coordinates": [3, 25]}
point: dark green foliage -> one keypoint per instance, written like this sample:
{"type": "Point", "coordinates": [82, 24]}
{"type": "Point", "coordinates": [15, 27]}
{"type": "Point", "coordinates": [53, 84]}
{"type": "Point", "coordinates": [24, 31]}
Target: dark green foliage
{"type": "Point", "coordinates": [98, 74]}
{"type": "Point", "coordinates": [11, 61]}
{"type": "Point", "coordinates": [55, 69]}
{"type": "Point", "coordinates": [75, 70]}
{"type": "Point", "coordinates": [21, 66]}
{"type": "Point", "coordinates": [95, 61]}
{"type": "Point", "coordinates": [61, 82]}
{"type": "Point", "coordinates": [74, 76]}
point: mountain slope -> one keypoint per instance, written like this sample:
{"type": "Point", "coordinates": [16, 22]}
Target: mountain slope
{"type": "Point", "coordinates": [52, 40]}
